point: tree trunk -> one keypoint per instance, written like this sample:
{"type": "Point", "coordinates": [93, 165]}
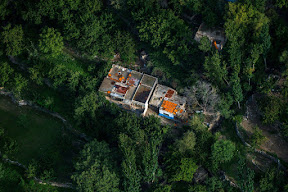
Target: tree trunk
{"type": "Point", "coordinates": [265, 63]}
{"type": "Point", "coordinates": [239, 105]}
{"type": "Point", "coordinates": [189, 18]}
{"type": "Point", "coordinates": [226, 82]}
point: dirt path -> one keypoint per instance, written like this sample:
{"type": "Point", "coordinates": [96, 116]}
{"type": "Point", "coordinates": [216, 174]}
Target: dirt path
{"type": "Point", "coordinates": [274, 142]}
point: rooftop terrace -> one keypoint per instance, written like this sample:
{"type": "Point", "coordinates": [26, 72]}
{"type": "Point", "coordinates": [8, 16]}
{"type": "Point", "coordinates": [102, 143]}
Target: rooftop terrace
{"type": "Point", "coordinates": [127, 84]}
{"type": "Point", "coordinates": [134, 90]}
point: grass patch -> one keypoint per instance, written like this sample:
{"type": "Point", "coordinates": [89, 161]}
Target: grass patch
{"type": "Point", "coordinates": [70, 63]}
{"type": "Point", "coordinates": [13, 180]}
{"type": "Point", "coordinates": [51, 99]}
{"type": "Point", "coordinates": [228, 129]}
{"type": "Point", "coordinates": [39, 136]}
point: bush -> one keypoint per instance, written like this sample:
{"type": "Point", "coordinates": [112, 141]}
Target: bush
{"type": "Point", "coordinates": [257, 137]}
{"type": "Point", "coordinates": [31, 170]}
{"type": "Point", "coordinates": [271, 107]}
{"type": "Point", "coordinates": [5, 73]}
{"type": "Point", "coordinates": [51, 42]}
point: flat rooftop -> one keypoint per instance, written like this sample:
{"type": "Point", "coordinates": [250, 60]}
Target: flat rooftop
{"type": "Point", "coordinates": [142, 93]}
{"type": "Point", "coordinates": [167, 99]}
{"type": "Point", "coordinates": [135, 89]}
{"type": "Point", "coordinates": [159, 94]}
{"type": "Point", "coordinates": [118, 73]}
{"type": "Point", "coordinates": [128, 84]}
{"type": "Point", "coordinates": [130, 93]}
{"type": "Point", "coordinates": [148, 80]}
{"type": "Point", "coordinates": [107, 85]}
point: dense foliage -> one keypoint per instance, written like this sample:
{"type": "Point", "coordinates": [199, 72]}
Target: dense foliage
{"type": "Point", "coordinates": [55, 54]}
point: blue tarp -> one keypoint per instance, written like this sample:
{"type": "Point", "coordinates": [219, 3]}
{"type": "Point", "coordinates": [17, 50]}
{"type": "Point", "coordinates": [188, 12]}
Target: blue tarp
{"type": "Point", "coordinates": [231, 1]}
{"type": "Point", "coordinates": [166, 116]}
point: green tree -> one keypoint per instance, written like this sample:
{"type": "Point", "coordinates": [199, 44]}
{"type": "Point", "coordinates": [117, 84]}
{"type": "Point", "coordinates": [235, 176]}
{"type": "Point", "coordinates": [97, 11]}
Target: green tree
{"type": "Point", "coordinates": [2, 172]}
{"type": "Point", "coordinates": [205, 44]}
{"type": "Point", "coordinates": [284, 59]}
{"type": "Point", "coordinates": [5, 73]}
{"type": "Point", "coordinates": [128, 124]}
{"type": "Point", "coordinates": [245, 176]}
{"type": "Point", "coordinates": [4, 10]}
{"type": "Point", "coordinates": [225, 104]}
{"type": "Point", "coordinates": [20, 83]}
{"type": "Point", "coordinates": [51, 42]}
{"type": "Point", "coordinates": [132, 176]}
{"type": "Point", "coordinates": [237, 90]}
{"type": "Point", "coordinates": [222, 151]}
{"type": "Point", "coordinates": [266, 42]}
{"type": "Point", "coordinates": [271, 107]}
{"type": "Point", "coordinates": [125, 45]}
{"type": "Point", "coordinates": [95, 169]}
{"type": "Point", "coordinates": [87, 109]}
{"type": "Point", "coordinates": [198, 188]}
{"type": "Point", "coordinates": [95, 37]}
{"type": "Point", "coordinates": [13, 39]}
{"type": "Point", "coordinates": [47, 175]}
{"type": "Point", "coordinates": [165, 188]}
{"type": "Point", "coordinates": [205, 140]}
{"type": "Point", "coordinates": [33, 186]}
{"type": "Point", "coordinates": [36, 75]}
{"type": "Point", "coordinates": [168, 33]}
{"type": "Point", "coordinates": [281, 3]}
{"type": "Point", "coordinates": [185, 171]}
{"type": "Point", "coordinates": [244, 26]}
{"type": "Point", "coordinates": [10, 146]}
{"type": "Point", "coordinates": [150, 164]}
{"type": "Point", "coordinates": [98, 177]}
{"type": "Point", "coordinates": [91, 6]}
{"type": "Point", "coordinates": [187, 142]}
{"type": "Point", "coordinates": [271, 181]}
{"type": "Point", "coordinates": [214, 184]}
{"type": "Point", "coordinates": [74, 80]}
{"type": "Point", "coordinates": [149, 148]}
{"type": "Point", "coordinates": [31, 170]}
{"type": "Point", "coordinates": [286, 188]}
{"type": "Point", "coordinates": [215, 69]}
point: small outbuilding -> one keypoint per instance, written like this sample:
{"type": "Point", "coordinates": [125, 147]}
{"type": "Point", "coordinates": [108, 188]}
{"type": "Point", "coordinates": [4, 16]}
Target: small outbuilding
{"type": "Point", "coordinates": [215, 35]}
{"type": "Point", "coordinates": [169, 103]}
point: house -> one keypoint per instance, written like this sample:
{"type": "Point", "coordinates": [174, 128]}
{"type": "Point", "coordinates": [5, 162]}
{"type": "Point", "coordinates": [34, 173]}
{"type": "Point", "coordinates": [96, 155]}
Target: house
{"type": "Point", "coordinates": [137, 92]}
{"type": "Point", "coordinates": [215, 35]}
{"type": "Point", "coordinates": [169, 103]}
{"type": "Point", "coordinates": [128, 88]}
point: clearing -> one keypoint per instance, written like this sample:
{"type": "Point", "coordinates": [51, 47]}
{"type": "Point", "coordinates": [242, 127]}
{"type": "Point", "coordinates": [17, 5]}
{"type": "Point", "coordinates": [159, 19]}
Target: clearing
{"type": "Point", "coordinates": [274, 143]}
{"type": "Point", "coordinates": [39, 136]}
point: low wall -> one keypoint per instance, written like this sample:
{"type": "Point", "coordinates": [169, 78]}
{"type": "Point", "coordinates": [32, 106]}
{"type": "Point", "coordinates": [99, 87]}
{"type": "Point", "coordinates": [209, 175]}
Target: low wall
{"type": "Point", "coordinates": [276, 160]}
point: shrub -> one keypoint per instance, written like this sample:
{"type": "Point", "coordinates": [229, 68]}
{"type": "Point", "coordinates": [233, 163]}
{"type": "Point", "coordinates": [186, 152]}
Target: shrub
{"type": "Point", "coordinates": [257, 137]}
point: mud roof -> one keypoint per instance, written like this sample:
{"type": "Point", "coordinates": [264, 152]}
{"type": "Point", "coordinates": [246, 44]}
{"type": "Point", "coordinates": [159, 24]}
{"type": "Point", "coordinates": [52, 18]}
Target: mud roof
{"type": "Point", "coordinates": [148, 80]}
{"type": "Point", "coordinates": [106, 85]}
{"type": "Point", "coordinates": [142, 93]}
